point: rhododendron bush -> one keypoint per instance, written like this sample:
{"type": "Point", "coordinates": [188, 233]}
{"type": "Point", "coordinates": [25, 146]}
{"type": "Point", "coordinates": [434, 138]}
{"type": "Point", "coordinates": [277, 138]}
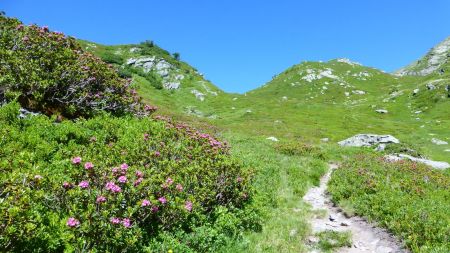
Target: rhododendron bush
{"type": "Point", "coordinates": [116, 184]}
{"type": "Point", "coordinates": [49, 72]}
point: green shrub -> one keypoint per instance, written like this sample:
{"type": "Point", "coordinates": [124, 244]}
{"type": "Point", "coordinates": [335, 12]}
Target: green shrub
{"type": "Point", "coordinates": [300, 149]}
{"type": "Point", "coordinates": [409, 199]}
{"type": "Point", "coordinates": [116, 184]}
{"type": "Point", "coordinates": [49, 72]}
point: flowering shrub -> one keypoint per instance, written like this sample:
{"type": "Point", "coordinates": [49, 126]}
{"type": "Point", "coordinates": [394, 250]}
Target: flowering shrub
{"type": "Point", "coordinates": [116, 184]}
{"type": "Point", "coordinates": [410, 199]}
{"type": "Point", "coordinates": [49, 72]}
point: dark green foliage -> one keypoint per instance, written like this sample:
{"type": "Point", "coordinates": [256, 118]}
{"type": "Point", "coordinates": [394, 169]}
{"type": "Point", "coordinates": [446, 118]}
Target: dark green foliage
{"type": "Point", "coordinates": [49, 72]}
{"type": "Point", "coordinates": [41, 186]}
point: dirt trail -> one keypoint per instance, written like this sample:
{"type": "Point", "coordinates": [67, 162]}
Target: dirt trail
{"type": "Point", "coordinates": [365, 237]}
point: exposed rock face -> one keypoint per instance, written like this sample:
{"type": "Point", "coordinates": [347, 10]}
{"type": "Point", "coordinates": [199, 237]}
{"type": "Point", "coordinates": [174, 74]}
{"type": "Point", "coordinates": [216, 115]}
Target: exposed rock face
{"type": "Point", "coordinates": [200, 96]}
{"type": "Point", "coordinates": [431, 86]}
{"type": "Point", "coordinates": [348, 61]}
{"type": "Point", "coordinates": [433, 164]}
{"type": "Point", "coordinates": [430, 63]}
{"type": "Point", "coordinates": [438, 142]}
{"type": "Point", "coordinates": [367, 140]}
{"type": "Point", "coordinates": [382, 111]}
{"type": "Point", "coordinates": [358, 92]}
{"type": "Point", "coordinates": [171, 77]}
{"type": "Point", "coordinates": [23, 113]}
{"type": "Point", "coordinates": [272, 138]}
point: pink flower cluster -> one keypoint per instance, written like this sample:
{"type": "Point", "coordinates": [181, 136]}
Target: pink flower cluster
{"type": "Point", "coordinates": [88, 166]}
{"type": "Point", "coordinates": [101, 199]}
{"type": "Point", "coordinates": [83, 184]}
{"type": "Point", "coordinates": [125, 221]}
{"type": "Point", "coordinates": [188, 206]}
{"type": "Point", "coordinates": [111, 186]}
{"type": "Point", "coordinates": [72, 222]}
{"type": "Point", "coordinates": [76, 160]}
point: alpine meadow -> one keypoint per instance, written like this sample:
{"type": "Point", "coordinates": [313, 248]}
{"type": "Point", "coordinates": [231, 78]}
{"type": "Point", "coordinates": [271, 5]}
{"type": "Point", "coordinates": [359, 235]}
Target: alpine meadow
{"type": "Point", "coordinates": [128, 148]}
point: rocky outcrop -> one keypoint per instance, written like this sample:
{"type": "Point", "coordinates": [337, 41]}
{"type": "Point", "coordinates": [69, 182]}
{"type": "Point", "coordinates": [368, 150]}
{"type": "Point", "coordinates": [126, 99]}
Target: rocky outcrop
{"type": "Point", "coordinates": [368, 140]}
{"type": "Point", "coordinates": [438, 142]}
{"type": "Point", "coordinates": [430, 63]}
{"type": "Point", "coordinates": [382, 111]}
{"type": "Point", "coordinates": [433, 164]}
{"type": "Point", "coordinates": [170, 76]}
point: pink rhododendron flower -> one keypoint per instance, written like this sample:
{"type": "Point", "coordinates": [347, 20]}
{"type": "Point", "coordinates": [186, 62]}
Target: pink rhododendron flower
{"type": "Point", "coordinates": [115, 170]}
{"type": "Point", "coordinates": [155, 209]}
{"type": "Point", "coordinates": [122, 179]}
{"type": "Point", "coordinates": [101, 199]}
{"type": "Point", "coordinates": [114, 220]}
{"type": "Point", "coordinates": [169, 181]}
{"type": "Point", "coordinates": [162, 200]}
{"type": "Point", "coordinates": [145, 202]}
{"type": "Point", "coordinates": [188, 206]}
{"type": "Point", "coordinates": [67, 185]}
{"type": "Point", "coordinates": [146, 137]}
{"type": "Point", "coordinates": [239, 179]}
{"type": "Point", "coordinates": [124, 166]}
{"type": "Point", "coordinates": [157, 153]}
{"type": "Point", "coordinates": [76, 160]}
{"type": "Point", "coordinates": [72, 222]}
{"type": "Point", "coordinates": [139, 173]}
{"type": "Point", "coordinates": [111, 186]}
{"type": "Point", "coordinates": [83, 184]}
{"type": "Point", "coordinates": [126, 222]}
{"type": "Point", "coordinates": [138, 181]}
{"type": "Point", "coordinates": [179, 187]}
{"type": "Point", "coordinates": [88, 165]}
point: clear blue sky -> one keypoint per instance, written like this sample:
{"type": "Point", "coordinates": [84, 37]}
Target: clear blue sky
{"type": "Point", "coordinates": [239, 45]}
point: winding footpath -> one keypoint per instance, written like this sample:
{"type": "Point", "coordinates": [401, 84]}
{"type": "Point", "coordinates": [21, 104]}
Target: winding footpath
{"type": "Point", "coordinates": [365, 237]}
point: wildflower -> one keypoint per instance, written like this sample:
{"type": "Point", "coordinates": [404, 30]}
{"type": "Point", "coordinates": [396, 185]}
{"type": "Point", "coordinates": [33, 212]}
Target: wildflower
{"type": "Point", "coordinates": [169, 181]}
{"type": "Point", "coordinates": [114, 220]}
{"type": "Point", "coordinates": [179, 187]}
{"type": "Point", "coordinates": [138, 181]}
{"type": "Point", "coordinates": [38, 177]}
{"type": "Point", "coordinates": [139, 174]}
{"type": "Point", "coordinates": [111, 186]}
{"type": "Point", "coordinates": [124, 168]}
{"type": "Point", "coordinates": [145, 202]}
{"type": "Point", "coordinates": [122, 179]}
{"type": "Point", "coordinates": [162, 200]}
{"type": "Point", "coordinates": [83, 184]}
{"type": "Point", "coordinates": [146, 137]}
{"type": "Point", "coordinates": [19, 27]}
{"type": "Point", "coordinates": [76, 160]}
{"type": "Point", "coordinates": [239, 179]}
{"type": "Point", "coordinates": [88, 165]}
{"type": "Point", "coordinates": [154, 209]}
{"type": "Point", "coordinates": [26, 38]}
{"type": "Point", "coordinates": [115, 170]}
{"type": "Point", "coordinates": [188, 206]}
{"type": "Point", "coordinates": [126, 222]}
{"type": "Point", "coordinates": [67, 185]}
{"type": "Point", "coordinates": [72, 222]}
{"type": "Point", "coordinates": [157, 153]}
{"type": "Point", "coordinates": [101, 199]}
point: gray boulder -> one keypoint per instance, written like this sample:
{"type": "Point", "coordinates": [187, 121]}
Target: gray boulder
{"type": "Point", "coordinates": [433, 164]}
{"type": "Point", "coordinates": [368, 140]}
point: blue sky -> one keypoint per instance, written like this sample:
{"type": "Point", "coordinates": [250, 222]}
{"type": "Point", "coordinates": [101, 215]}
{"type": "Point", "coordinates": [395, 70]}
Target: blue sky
{"type": "Point", "coordinates": [240, 45]}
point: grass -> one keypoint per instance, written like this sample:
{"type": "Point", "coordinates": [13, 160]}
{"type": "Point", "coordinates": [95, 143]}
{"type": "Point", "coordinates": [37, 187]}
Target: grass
{"type": "Point", "coordinates": [280, 182]}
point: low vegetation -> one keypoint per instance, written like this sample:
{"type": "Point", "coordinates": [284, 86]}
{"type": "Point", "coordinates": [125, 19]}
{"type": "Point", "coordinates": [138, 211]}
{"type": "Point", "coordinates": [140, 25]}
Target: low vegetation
{"type": "Point", "coordinates": [409, 199]}
{"type": "Point", "coordinates": [117, 184]}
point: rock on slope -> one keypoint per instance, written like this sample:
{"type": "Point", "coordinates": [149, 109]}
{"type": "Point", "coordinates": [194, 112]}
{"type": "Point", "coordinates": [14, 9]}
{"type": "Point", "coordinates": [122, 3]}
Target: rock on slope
{"type": "Point", "coordinates": [430, 63]}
